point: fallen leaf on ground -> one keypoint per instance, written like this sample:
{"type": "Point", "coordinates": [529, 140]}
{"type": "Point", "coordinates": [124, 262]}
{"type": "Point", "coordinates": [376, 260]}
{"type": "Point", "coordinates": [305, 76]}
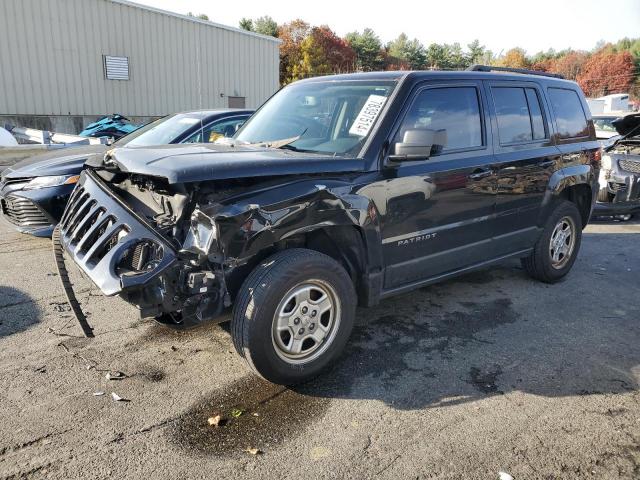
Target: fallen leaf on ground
{"type": "Point", "coordinates": [215, 420]}
{"type": "Point", "coordinates": [236, 412]}
{"type": "Point", "coordinates": [254, 451]}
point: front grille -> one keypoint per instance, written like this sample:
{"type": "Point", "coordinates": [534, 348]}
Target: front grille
{"type": "Point", "coordinates": [107, 241]}
{"type": "Point", "coordinates": [23, 212]}
{"type": "Point", "coordinates": [630, 165]}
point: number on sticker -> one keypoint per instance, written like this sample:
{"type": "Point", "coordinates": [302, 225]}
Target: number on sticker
{"type": "Point", "coordinates": [368, 115]}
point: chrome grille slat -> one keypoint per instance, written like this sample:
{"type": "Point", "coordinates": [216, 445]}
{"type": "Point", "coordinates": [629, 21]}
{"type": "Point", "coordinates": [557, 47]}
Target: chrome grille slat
{"type": "Point", "coordinates": [630, 165]}
{"type": "Point", "coordinates": [22, 212]}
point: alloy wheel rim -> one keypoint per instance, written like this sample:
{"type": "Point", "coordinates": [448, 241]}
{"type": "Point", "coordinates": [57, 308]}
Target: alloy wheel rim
{"type": "Point", "coordinates": [562, 244]}
{"type": "Point", "coordinates": [305, 322]}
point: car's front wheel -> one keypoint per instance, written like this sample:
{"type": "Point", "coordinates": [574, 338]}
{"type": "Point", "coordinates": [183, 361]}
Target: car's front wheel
{"type": "Point", "coordinates": [557, 248]}
{"type": "Point", "coordinates": [293, 315]}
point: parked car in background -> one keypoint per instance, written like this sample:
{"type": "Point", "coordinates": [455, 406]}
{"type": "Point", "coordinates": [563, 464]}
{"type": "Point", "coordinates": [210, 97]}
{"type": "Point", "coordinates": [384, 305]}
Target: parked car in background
{"type": "Point", "coordinates": [339, 191]}
{"type": "Point", "coordinates": [34, 192]}
{"type": "Point", "coordinates": [619, 180]}
{"type": "Point", "coordinates": [604, 125]}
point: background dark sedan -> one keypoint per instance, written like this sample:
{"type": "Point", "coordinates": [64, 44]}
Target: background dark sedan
{"type": "Point", "coordinates": [34, 192]}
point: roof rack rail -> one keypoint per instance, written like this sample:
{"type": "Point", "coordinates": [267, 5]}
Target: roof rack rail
{"type": "Point", "coordinates": [489, 68]}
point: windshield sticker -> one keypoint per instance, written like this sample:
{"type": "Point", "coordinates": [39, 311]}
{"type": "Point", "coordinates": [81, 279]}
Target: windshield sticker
{"type": "Point", "coordinates": [368, 115]}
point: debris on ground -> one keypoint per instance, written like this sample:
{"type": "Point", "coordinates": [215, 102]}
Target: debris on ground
{"type": "Point", "coordinates": [98, 394]}
{"type": "Point", "coordinates": [118, 398]}
{"type": "Point", "coordinates": [504, 476]}
{"type": "Point", "coordinates": [114, 375]}
{"type": "Point", "coordinates": [236, 412]}
{"type": "Point", "coordinates": [254, 451]}
{"type": "Point", "coordinates": [41, 369]}
{"type": "Point", "coordinates": [215, 421]}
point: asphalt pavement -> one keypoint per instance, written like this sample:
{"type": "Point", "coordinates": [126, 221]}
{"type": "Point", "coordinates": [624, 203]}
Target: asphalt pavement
{"type": "Point", "coordinates": [491, 372]}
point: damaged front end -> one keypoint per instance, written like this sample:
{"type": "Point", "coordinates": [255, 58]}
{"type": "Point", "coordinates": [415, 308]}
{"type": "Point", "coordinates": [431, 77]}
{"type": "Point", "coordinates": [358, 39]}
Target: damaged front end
{"type": "Point", "coordinates": [136, 255]}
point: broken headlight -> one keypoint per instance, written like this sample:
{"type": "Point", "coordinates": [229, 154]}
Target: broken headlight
{"type": "Point", "coordinates": [202, 235]}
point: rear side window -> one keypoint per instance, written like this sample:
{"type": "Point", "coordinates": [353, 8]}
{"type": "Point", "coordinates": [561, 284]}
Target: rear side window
{"type": "Point", "coordinates": [570, 117]}
{"type": "Point", "coordinates": [452, 113]}
{"type": "Point", "coordinates": [519, 114]}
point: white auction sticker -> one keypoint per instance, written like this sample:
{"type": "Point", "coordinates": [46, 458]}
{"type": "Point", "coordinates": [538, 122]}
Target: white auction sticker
{"type": "Point", "coordinates": [367, 116]}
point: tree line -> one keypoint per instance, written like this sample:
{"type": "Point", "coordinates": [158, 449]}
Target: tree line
{"type": "Point", "coordinates": [308, 51]}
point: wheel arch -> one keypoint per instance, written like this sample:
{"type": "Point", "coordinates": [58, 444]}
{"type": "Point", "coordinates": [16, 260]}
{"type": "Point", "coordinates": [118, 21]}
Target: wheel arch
{"type": "Point", "coordinates": [577, 184]}
{"type": "Point", "coordinates": [344, 227]}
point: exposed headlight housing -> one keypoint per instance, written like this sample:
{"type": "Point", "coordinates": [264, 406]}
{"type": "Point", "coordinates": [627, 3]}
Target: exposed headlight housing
{"type": "Point", "coordinates": [605, 163]}
{"type": "Point", "coordinates": [51, 181]}
{"type": "Point", "coordinates": [202, 235]}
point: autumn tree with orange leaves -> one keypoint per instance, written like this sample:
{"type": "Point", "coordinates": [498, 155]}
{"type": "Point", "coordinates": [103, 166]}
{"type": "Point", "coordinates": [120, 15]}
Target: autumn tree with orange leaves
{"type": "Point", "coordinates": [323, 53]}
{"type": "Point", "coordinates": [292, 35]}
{"type": "Point", "coordinates": [607, 72]}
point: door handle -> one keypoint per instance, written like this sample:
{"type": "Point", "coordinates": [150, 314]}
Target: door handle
{"type": "Point", "coordinates": [547, 163]}
{"type": "Point", "coordinates": [480, 173]}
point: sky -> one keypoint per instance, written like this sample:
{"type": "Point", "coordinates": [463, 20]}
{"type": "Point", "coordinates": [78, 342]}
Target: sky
{"type": "Point", "coordinates": [498, 24]}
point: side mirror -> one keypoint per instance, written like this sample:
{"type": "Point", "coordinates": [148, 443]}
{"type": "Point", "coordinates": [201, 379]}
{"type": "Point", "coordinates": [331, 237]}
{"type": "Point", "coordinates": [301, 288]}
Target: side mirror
{"type": "Point", "coordinates": [418, 144]}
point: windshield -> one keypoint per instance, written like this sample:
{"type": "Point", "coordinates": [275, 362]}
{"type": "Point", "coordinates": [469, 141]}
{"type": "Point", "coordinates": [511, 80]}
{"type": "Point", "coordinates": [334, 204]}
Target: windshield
{"type": "Point", "coordinates": [604, 123]}
{"type": "Point", "coordinates": [333, 117]}
{"type": "Point", "coordinates": [164, 131]}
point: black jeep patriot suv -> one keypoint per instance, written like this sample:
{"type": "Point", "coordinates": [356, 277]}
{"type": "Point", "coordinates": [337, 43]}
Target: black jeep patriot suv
{"type": "Point", "coordinates": [340, 191]}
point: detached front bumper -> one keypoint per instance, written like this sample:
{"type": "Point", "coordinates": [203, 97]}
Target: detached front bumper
{"type": "Point", "coordinates": [123, 255]}
{"type": "Point", "coordinates": [107, 240]}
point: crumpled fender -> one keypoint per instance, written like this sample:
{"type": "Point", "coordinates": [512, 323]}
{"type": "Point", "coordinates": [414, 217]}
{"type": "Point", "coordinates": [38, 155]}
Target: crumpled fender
{"type": "Point", "coordinates": [257, 221]}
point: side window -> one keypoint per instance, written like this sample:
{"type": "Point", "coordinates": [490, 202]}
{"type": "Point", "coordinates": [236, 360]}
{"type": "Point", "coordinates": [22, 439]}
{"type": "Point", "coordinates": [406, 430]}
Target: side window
{"type": "Point", "coordinates": [213, 131]}
{"type": "Point", "coordinates": [519, 114]}
{"type": "Point", "coordinates": [452, 114]}
{"type": "Point", "coordinates": [570, 117]}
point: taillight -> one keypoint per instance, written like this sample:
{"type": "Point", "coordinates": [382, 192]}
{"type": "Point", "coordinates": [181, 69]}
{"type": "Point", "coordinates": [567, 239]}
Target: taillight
{"type": "Point", "coordinates": [597, 156]}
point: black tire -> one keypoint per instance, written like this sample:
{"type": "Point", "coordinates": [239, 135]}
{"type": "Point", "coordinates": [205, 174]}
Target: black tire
{"type": "Point", "coordinates": [603, 195]}
{"type": "Point", "coordinates": [539, 264]}
{"type": "Point", "coordinates": [260, 296]}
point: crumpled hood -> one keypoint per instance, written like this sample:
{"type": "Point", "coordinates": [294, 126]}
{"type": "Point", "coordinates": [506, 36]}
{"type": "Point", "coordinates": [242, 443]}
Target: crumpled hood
{"type": "Point", "coordinates": [66, 161]}
{"type": "Point", "coordinates": [626, 124]}
{"type": "Point", "coordinates": [203, 162]}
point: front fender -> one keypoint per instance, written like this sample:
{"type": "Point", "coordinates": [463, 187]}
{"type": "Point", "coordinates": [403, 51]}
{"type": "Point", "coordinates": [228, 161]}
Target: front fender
{"type": "Point", "coordinates": [258, 222]}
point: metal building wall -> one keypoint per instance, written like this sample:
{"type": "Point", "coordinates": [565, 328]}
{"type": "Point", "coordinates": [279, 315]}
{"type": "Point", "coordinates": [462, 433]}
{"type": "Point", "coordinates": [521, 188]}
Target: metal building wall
{"type": "Point", "coordinates": [51, 60]}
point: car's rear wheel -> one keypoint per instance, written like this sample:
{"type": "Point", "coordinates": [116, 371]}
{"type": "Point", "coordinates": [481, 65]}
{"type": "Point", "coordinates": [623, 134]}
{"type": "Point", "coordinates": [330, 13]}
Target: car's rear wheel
{"type": "Point", "coordinates": [557, 248]}
{"type": "Point", "coordinates": [293, 315]}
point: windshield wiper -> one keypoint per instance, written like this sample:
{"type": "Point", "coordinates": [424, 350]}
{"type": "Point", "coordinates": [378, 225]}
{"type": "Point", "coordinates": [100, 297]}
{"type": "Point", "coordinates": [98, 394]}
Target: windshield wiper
{"type": "Point", "coordinates": [277, 143]}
